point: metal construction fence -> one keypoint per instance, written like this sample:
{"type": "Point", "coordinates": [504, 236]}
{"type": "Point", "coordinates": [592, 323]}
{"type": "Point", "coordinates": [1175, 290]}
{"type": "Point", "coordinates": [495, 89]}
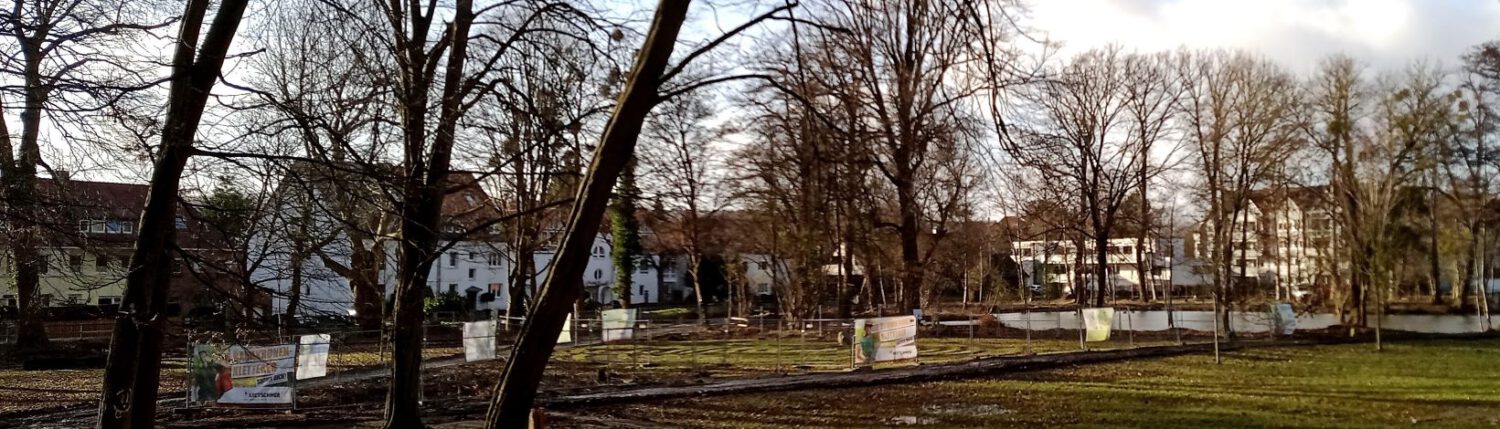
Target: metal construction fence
{"type": "Point", "coordinates": [605, 351]}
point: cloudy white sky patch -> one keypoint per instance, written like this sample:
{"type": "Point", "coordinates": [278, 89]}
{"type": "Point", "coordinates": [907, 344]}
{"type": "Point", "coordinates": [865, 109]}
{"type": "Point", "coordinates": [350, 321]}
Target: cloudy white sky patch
{"type": "Point", "coordinates": [1297, 33]}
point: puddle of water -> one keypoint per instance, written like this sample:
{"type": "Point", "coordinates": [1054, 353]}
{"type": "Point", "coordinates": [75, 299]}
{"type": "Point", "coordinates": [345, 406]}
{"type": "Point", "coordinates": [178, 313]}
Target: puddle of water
{"type": "Point", "coordinates": [966, 410]}
{"type": "Point", "coordinates": [912, 421]}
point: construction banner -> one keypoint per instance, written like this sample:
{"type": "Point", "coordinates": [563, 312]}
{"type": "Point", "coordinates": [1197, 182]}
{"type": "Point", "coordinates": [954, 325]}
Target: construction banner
{"type": "Point", "coordinates": [479, 341]}
{"type": "Point", "coordinates": [619, 324]}
{"type": "Point", "coordinates": [241, 375]}
{"type": "Point", "coordinates": [885, 339]}
{"type": "Point", "coordinates": [1097, 322]}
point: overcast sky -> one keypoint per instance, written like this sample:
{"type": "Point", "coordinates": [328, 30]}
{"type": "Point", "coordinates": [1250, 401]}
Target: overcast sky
{"type": "Point", "coordinates": [1385, 34]}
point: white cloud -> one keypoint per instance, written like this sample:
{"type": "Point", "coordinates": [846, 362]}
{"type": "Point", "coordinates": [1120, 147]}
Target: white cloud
{"type": "Point", "coordinates": [1297, 33]}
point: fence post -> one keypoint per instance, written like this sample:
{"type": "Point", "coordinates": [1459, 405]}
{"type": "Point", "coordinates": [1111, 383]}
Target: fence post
{"type": "Point", "coordinates": [296, 363]}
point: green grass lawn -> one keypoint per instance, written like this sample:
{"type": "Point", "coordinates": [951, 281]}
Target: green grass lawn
{"type": "Point", "coordinates": [1448, 384]}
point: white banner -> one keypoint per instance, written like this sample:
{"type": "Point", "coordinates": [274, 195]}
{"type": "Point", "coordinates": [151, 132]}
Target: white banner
{"type": "Point", "coordinates": [619, 324]}
{"type": "Point", "coordinates": [885, 339]}
{"type": "Point", "coordinates": [479, 340]}
{"type": "Point", "coordinates": [1097, 323]}
{"type": "Point", "coordinates": [1285, 317]}
{"type": "Point", "coordinates": [566, 336]}
{"type": "Point", "coordinates": [312, 356]}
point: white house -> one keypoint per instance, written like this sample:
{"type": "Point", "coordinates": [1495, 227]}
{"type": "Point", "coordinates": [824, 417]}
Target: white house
{"type": "Point", "coordinates": [302, 251]}
{"type": "Point", "coordinates": [1052, 262]}
{"type": "Point", "coordinates": [475, 270]}
{"type": "Point", "coordinates": [599, 277]}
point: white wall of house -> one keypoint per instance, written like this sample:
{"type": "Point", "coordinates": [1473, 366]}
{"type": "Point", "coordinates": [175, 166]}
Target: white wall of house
{"type": "Point", "coordinates": [323, 292]}
{"type": "Point", "coordinates": [1060, 255]}
{"type": "Point", "coordinates": [476, 267]}
{"type": "Point", "coordinates": [599, 276]}
{"type": "Point", "coordinates": [763, 273]}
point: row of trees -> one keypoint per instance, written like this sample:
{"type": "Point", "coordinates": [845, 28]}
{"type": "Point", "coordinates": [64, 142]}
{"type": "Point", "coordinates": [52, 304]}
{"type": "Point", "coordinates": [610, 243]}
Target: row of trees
{"type": "Point", "coordinates": [874, 139]}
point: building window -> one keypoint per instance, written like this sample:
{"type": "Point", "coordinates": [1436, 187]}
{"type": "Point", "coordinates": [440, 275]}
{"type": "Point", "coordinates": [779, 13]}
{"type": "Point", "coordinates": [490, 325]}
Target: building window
{"type": "Point", "coordinates": [74, 299]}
{"type": "Point", "coordinates": [598, 274]}
{"type": "Point", "coordinates": [763, 289]}
{"type": "Point", "coordinates": [180, 223]}
{"type": "Point", "coordinates": [494, 259]}
{"type": "Point", "coordinates": [473, 256]}
{"type": "Point", "coordinates": [453, 259]}
{"type": "Point", "coordinates": [452, 287]}
{"type": "Point", "coordinates": [760, 266]}
{"type": "Point", "coordinates": [9, 301]}
{"type": "Point", "coordinates": [101, 262]}
{"type": "Point", "coordinates": [46, 300]}
{"type": "Point", "coordinates": [599, 251]}
{"type": "Point", "coordinates": [109, 300]}
{"type": "Point", "coordinates": [75, 263]}
{"type": "Point", "coordinates": [43, 265]}
{"type": "Point", "coordinates": [471, 274]}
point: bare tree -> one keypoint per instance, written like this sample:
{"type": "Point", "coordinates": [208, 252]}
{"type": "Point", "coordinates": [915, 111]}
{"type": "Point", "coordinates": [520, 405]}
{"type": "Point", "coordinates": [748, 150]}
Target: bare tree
{"type": "Point", "coordinates": [132, 373]}
{"type": "Point", "coordinates": [1237, 115]}
{"type": "Point", "coordinates": [516, 390]}
{"type": "Point", "coordinates": [894, 69]}
{"type": "Point", "coordinates": [64, 60]}
{"type": "Point", "coordinates": [1085, 136]}
{"type": "Point", "coordinates": [678, 158]}
{"type": "Point", "coordinates": [1472, 161]}
{"type": "Point", "coordinates": [643, 90]}
{"type": "Point", "coordinates": [535, 124]}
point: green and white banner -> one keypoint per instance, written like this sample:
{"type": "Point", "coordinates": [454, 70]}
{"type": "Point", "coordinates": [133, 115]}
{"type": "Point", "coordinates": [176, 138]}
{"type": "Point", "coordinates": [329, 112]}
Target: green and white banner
{"type": "Point", "coordinates": [1096, 322]}
{"type": "Point", "coordinates": [241, 375]}
{"type": "Point", "coordinates": [885, 339]}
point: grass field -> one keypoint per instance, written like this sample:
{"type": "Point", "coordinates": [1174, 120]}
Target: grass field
{"type": "Point", "coordinates": [1449, 384]}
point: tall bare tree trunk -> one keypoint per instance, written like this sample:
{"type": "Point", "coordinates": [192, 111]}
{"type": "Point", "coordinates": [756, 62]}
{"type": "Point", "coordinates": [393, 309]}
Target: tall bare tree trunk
{"type": "Point", "coordinates": [20, 193]}
{"type": "Point", "coordinates": [516, 391]}
{"type": "Point", "coordinates": [132, 373]}
{"type": "Point", "coordinates": [909, 232]}
{"type": "Point", "coordinates": [424, 185]}
{"type": "Point", "coordinates": [369, 299]}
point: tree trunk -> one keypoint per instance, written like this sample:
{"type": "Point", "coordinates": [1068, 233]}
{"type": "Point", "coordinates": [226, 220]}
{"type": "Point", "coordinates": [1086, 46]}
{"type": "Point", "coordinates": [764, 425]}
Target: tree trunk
{"type": "Point", "coordinates": [522, 275]}
{"type": "Point", "coordinates": [516, 391]}
{"type": "Point", "coordinates": [1101, 269]}
{"type": "Point", "coordinates": [424, 184]}
{"type": "Point", "coordinates": [369, 299]}
{"type": "Point", "coordinates": [132, 372]}
{"type": "Point", "coordinates": [1433, 258]}
{"type": "Point", "coordinates": [695, 263]}
{"type": "Point", "coordinates": [294, 293]}
{"type": "Point", "coordinates": [21, 199]}
{"type": "Point", "coordinates": [911, 265]}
